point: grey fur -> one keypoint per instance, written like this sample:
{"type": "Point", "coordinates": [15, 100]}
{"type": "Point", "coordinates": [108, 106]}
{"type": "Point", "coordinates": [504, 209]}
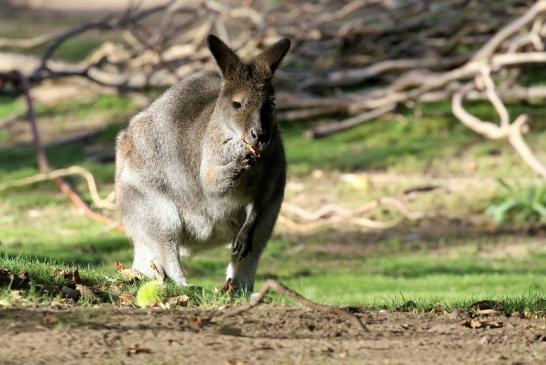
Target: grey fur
{"type": "Point", "coordinates": [185, 181]}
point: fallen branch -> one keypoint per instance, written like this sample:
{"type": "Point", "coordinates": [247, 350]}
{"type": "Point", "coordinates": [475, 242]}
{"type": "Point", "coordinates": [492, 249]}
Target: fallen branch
{"type": "Point", "coordinates": [313, 226]}
{"type": "Point", "coordinates": [483, 80]}
{"type": "Point", "coordinates": [301, 220]}
{"type": "Point", "coordinates": [281, 288]}
{"type": "Point", "coordinates": [494, 43]}
{"type": "Point", "coordinates": [73, 170]}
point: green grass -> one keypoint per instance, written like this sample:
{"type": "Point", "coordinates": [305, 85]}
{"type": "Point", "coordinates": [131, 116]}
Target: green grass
{"type": "Point", "coordinates": [40, 231]}
{"type": "Point", "coordinates": [522, 205]}
{"type": "Point", "coordinates": [386, 281]}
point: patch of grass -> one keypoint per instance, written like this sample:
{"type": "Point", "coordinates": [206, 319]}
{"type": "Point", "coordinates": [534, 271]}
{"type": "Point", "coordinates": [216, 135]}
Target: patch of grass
{"type": "Point", "coordinates": [74, 50]}
{"type": "Point", "coordinates": [384, 282]}
{"type": "Point", "coordinates": [9, 107]}
{"type": "Point", "coordinates": [100, 277]}
{"type": "Point", "coordinates": [389, 280]}
{"type": "Point", "coordinates": [521, 205]}
{"type": "Point", "coordinates": [390, 293]}
{"type": "Point", "coordinates": [41, 270]}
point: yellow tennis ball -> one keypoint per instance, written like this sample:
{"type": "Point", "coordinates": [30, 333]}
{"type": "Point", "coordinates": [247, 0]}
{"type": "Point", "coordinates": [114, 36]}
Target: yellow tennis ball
{"type": "Point", "coordinates": [150, 294]}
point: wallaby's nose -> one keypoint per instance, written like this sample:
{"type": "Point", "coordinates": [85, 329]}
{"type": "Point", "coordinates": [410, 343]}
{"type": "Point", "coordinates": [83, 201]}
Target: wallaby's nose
{"type": "Point", "coordinates": [258, 137]}
{"type": "Point", "coordinates": [254, 134]}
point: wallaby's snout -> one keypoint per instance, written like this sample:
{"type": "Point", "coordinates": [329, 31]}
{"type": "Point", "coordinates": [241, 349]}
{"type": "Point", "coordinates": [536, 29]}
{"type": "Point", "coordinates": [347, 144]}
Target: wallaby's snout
{"type": "Point", "coordinates": [257, 140]}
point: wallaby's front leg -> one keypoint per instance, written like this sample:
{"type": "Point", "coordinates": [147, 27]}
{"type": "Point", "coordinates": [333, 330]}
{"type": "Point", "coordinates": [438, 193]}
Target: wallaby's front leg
{"type": "Point", "coordinates": [242, 269]}
{"type": "Point", "coordinates": [243, 243]}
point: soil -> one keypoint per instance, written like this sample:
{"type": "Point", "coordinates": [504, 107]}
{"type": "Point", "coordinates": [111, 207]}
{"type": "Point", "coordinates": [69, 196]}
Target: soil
{"type": "Point", "coordinates": [266, 335]}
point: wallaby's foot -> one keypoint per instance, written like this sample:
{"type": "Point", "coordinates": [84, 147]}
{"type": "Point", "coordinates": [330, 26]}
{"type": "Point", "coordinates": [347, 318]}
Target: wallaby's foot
{"type": "Point", "coordinates": [143, 264]}
{"type": "Point", "coordinates": [154, 268]}
{"type": "Point", "coordinates": [141, 269]}
{"type": "Point", "coordinates": [241, 273]}
{"type": "Point", "coordinates": [149, 272]}
{"type": "Point", "coordinates": [229, 287]}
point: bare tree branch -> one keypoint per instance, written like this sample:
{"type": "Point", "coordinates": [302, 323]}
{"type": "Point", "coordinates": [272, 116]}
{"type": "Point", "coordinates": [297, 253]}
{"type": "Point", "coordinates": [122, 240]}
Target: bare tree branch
{"type": "Point", "coordinates": [281, 288]}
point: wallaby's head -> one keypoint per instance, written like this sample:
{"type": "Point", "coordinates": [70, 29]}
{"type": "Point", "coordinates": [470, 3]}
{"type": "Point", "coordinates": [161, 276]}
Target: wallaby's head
{"type": "Point", "coordinates": [246, 102]}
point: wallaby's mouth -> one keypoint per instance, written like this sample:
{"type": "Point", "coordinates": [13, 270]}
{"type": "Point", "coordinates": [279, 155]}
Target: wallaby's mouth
{"type": "Point", "coordinates": [256, 151]}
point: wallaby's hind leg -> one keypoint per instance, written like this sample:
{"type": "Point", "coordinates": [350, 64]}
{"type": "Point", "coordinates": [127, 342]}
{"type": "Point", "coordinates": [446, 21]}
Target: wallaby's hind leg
{"type": "Point", "coordinates": [152, 223]}
{"type": "Point", "coordinates": [165, 257]}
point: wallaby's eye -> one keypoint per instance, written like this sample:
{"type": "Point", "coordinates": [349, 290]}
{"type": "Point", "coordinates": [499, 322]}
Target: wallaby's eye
{"type": "Point", "coordinates": [236, 105]}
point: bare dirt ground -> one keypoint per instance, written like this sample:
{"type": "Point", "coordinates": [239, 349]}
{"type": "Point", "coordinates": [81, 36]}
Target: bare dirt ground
{"type": "Point", "coordinates": [266, 335]}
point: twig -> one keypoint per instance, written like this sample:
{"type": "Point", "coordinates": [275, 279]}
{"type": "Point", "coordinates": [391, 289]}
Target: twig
{"type": "Point", "coordinates": [54, 174]}
{"type": "Point", "coordinates": [332, 128]}
{"type": "Point", "coordinates": [490, 47]}
{"type": "Point", "coordinates": [313, 226]}
{"type": "Point", "coordinates": [28, 43]}
{"type": "Point", "coordinates": [281, 288]}
{"type": "Point", "coordinates": [506, 130]}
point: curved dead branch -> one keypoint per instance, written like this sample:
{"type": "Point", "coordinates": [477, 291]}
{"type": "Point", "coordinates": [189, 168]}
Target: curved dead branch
{"type": "Point", "coordinates": [28, 43]}
{"type": "Point", "coordinates": [506, 130]}
{"type": "Point", "coordinates": [107, 203]}
{"type": "Point", "coordinates": [21, 82]}
{"type": "Point", "coordinates": [298, 219]}
{"type": "Point", "coordinates": [275, 285]}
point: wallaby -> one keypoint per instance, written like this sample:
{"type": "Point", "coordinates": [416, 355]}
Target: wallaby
{"type": "Point", "coordinates": [203, 166]}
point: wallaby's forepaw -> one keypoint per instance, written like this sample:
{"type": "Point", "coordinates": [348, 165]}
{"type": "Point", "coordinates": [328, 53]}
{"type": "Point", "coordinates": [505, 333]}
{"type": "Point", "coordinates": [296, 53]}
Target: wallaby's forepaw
{"type": "Point", "coordinates": [242, 246]}
{"type": "Point", "coordinates": [245, 162]}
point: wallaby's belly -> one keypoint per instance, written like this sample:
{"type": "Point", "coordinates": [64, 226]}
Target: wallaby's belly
{"type": "Point", "coordinates": [214, 225]}
{"type": "Point", "coordinates": [221, 233]}
{"type": "Point", "coordinates": [198, 221]}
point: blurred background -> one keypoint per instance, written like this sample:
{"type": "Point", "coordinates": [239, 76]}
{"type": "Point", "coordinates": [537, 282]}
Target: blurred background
{"type": "Point", "coordinates": [414, 131]}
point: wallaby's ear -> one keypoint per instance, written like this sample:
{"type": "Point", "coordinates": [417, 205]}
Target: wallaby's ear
{"type": "Point", "coordinates": [271, 58]}
{"type": "Point", "coordinates": [227, 60]}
